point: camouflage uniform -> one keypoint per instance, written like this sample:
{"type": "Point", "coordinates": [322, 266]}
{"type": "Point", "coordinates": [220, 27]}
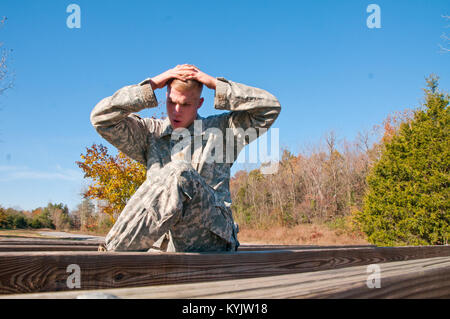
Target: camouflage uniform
{"type": "Point", "coordinates": [183, 205]}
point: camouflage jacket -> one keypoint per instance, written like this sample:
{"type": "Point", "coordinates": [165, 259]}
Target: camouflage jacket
{"type": "Point", "coordinates": [150, 141]}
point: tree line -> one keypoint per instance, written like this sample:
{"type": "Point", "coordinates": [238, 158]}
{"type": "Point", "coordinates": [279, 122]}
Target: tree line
{"type": "Point", "coordinates": [394, 190]}
{"type": "Point", "coordinates": [57, 216]}
{"type": "Point", "coordinates": [391, 184]}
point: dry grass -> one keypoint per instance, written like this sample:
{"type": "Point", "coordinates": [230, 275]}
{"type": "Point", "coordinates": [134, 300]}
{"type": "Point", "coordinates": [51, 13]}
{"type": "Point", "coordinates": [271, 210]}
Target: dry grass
{"type": "Point", "coordinates": [314, 234]}
{"type": "Point", "coordinates": [301, 235]}
{"type": "Point", "coordinates": [25, 233]}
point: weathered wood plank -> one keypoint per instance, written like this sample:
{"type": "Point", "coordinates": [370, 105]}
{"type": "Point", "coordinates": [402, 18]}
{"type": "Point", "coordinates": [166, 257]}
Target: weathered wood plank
{"type": "Point", "coordinates": [51, 245]}
{"type": "Point", "coordinates": [422, 278]}
{"type": "Point", "coordinates": [22, 272]}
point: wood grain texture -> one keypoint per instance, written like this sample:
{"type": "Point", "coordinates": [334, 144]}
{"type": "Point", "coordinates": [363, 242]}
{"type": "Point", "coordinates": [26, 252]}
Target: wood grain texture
{"type": "Point", "coordinates": [52, 245]}
{"type": "Point", "coordinates": [23, 272]}
{"type": "Point", "coordinates": [421, 278]}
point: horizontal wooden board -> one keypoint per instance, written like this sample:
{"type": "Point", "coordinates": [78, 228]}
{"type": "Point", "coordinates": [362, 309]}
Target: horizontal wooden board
{"type": "Point", "coordinates": [65, 245]}
{"type": "Point", "coordinates": [23, 272]}
{"type": "Point", "coordinates": [421, 278]}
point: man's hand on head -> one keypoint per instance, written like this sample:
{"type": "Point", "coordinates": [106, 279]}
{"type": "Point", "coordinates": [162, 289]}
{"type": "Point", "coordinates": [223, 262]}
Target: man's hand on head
{"type": "Point", "coordinates": [179, 72]}
{"type": "Point", "coordinates": [183, 72]}
{"type": "Point", "coordinates": [207, 80]}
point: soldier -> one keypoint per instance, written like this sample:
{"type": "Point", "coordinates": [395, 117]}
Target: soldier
{"type": "Point", "coordinates": [184, 204]}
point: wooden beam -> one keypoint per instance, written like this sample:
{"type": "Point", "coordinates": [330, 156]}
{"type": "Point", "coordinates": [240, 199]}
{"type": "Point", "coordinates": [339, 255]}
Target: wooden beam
{"type": "Point", "coordinates": [30, 241]}
{"type": "Point", "coordinates": [23, 272]}
{"type": "Point", "coordinates": [421, 278]}
{"type": "Point", "coordinates": [52, 245]}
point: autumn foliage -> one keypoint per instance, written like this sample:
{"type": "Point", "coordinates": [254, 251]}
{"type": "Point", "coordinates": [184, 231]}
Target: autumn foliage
{"type": "Point", "coordinates": [313, 187]}
{"type": "Point", "coordinates": [394, 190]}
{"type": "Point", "coordinates": [115, 178]}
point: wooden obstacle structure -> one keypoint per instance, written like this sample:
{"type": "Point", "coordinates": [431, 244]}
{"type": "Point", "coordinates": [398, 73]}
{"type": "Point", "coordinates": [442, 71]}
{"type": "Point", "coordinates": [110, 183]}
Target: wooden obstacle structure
{"type": "Point", "coordinates": [33, 268]}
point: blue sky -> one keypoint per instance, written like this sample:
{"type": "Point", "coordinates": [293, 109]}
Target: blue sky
{"type": "Point", "coordinates": [327, 68]}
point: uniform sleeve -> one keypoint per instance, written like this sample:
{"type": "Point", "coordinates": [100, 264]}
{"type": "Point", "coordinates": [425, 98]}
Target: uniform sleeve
{"type": "Point", "coordinates": [113, 119]}
{"type": "Point", "coordinates": [250, 107]}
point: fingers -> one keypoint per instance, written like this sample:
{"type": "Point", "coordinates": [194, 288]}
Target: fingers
{"type": "Point", "coordinates": [184, 73]}
{"type": "Point", "coordinates": [187, 67]}
{"type": "Point", "coordinates": [182, 77]}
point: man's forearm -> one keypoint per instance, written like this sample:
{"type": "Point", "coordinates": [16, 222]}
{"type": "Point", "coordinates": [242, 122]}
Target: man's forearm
{"type": "Point", "coordinates": [235, 96]}
{"type": "Point", "coordinates": [129, 99]}
{"type": "Point", "coordinates": [113, 119]}
{"type": "Point", "coordinates": [251, 107]}
{"type": "Point", "coordinates": [207, 80]}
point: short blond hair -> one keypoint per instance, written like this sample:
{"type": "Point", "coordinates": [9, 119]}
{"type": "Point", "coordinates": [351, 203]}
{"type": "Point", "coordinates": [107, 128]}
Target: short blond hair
{"type": "Point", "coordinates": [186, 85]}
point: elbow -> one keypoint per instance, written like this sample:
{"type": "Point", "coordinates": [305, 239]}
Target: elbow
{"type": "Point", "coordinates": [277, 105]}
{"type": "Point", "coordinates": [274, 115]}
{"type": "Point", "coordinates": [93, 118]}
{"type": "Point", "coordinates": [273, 102]}
{"type": "Point", "coordinates": [96, 114]}
{"type": "Point", "coordinates": [276, 108]}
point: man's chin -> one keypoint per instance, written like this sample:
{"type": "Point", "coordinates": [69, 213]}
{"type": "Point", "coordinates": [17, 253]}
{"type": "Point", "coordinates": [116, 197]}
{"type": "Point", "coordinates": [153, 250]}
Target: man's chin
{"type": "Point", "coordinates": [176, 125]}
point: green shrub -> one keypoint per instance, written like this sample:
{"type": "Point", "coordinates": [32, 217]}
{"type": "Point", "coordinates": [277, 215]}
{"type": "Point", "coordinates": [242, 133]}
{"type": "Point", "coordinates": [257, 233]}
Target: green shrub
{"type": "Point", "coordinates": [407, 202]}
{"type": "Point", "coordinates": [16, 220]}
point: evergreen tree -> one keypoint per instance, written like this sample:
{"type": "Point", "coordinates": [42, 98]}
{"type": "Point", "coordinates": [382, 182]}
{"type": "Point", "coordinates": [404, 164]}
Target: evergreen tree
{"type": "Point", "coordinates": [407, 202]}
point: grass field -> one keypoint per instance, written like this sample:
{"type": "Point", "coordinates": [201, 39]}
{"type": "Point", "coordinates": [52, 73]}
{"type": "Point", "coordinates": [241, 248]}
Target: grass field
{"type": "Point", "coordinates": [25, 233]}
{"type": "Point", "coordinates": [314, 234]}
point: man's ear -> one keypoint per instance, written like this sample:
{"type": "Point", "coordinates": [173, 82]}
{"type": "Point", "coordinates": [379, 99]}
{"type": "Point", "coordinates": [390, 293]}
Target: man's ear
{"type": "Point", "coordinates": [200, 102]}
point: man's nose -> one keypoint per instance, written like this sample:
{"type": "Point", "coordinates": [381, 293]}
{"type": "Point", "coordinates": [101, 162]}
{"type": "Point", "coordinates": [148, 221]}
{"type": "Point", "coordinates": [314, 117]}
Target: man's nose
{"type": "Point", "coordinates": [177, 108]}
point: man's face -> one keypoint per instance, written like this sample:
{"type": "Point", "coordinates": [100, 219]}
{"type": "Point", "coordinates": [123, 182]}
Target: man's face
{"type": "Point", "coordinates": [182, 106]}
